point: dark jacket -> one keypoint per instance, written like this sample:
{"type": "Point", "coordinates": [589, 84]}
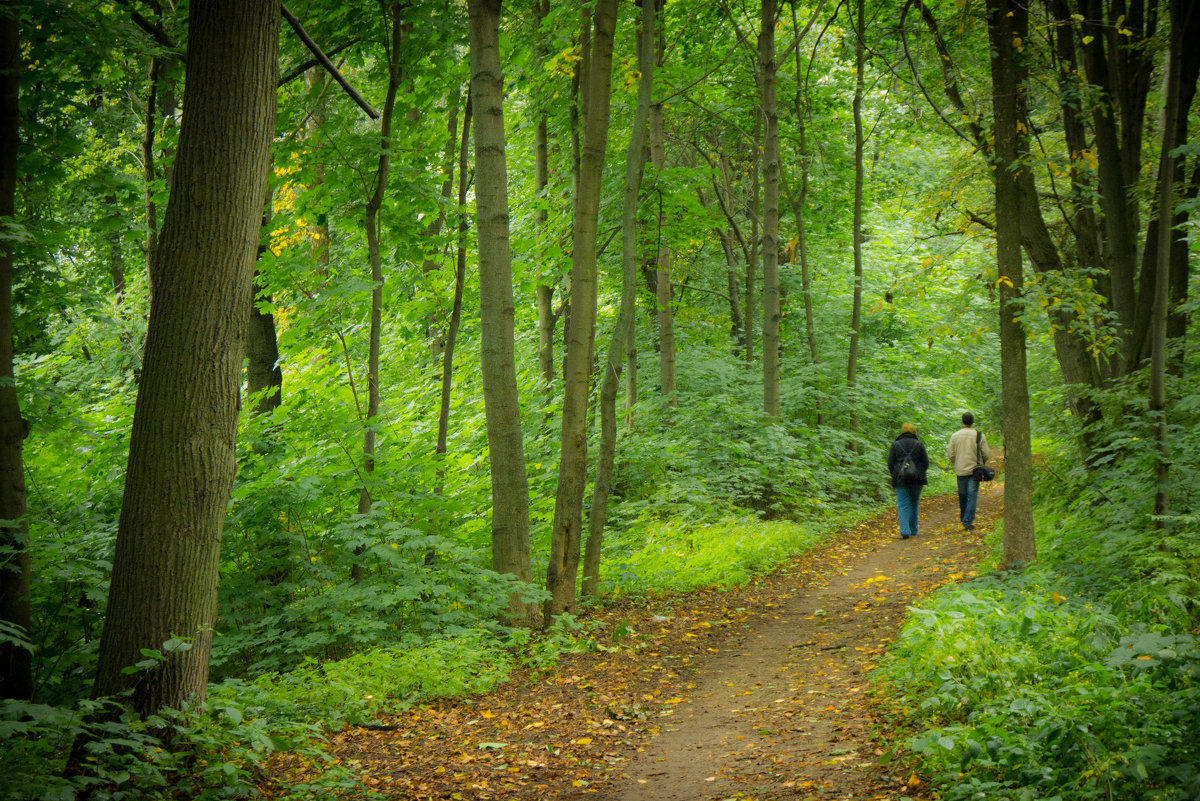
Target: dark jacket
{"type": "Point", "coordinates": [900, 448]}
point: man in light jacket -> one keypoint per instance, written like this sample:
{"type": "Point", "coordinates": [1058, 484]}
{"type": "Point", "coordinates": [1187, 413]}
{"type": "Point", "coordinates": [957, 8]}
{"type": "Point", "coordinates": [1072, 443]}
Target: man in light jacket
{"type": "Point", "coordinates": [966, 449]}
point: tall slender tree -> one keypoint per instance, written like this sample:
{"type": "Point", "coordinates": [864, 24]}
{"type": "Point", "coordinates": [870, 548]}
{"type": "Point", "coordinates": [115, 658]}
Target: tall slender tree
{"type": "Point", "coordinates": [497, 312]}
{"type": "Point", "coordinates": [1007, 27]}
{"type": "Point", "coordinates": [634, 162]}
{"type": "Point", "coordinates": [860, 48]}
{"type": "Point", "coordinates": [566, 534]}
{"type": "Point", "coordinates": [770, 240]}
{"type": "Point", "coordinates": [163, 593]}
{"type": "Point", "coordinates": [371, 213]}
{"type": "Point", "coordinates": [663, 293]}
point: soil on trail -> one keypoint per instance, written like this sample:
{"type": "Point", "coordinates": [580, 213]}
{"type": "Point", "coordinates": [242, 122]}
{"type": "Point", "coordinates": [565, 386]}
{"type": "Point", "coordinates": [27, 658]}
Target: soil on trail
{"type": "Point", "coordinates": [754, 693]}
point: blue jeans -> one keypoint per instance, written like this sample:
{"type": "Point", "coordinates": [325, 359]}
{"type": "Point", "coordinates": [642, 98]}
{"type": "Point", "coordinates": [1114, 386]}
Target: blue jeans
{"type": "Point", "coordinates": [968, 493]}
{"type": "Point", "coordinates": [907, 499]}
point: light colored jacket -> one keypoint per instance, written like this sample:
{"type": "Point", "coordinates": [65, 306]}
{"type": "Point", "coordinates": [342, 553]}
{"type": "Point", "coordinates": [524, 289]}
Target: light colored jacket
{"type": "Point", "coordinates": [961, 451]}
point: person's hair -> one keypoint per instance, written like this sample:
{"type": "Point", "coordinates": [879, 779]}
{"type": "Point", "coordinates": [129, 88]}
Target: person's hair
{"type": "Point", "coordinates": [908, 428]}
{"type": "Point", "coordinates": [968, 418]}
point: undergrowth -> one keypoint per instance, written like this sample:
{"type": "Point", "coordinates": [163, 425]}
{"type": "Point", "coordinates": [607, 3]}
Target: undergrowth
{"type": "Point", "coordinates": [1078, 678]}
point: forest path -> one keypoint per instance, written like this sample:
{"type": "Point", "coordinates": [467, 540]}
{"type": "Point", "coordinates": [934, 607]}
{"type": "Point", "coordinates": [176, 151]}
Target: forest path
{"type": "Point", "coordinates": [754, 693]}
{"type": "Point", "coordinates": [782, 712]}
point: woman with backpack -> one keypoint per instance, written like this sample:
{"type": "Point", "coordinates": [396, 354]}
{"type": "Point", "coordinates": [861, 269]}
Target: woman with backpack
{"type": "Point", "coordinates": [907, 462]}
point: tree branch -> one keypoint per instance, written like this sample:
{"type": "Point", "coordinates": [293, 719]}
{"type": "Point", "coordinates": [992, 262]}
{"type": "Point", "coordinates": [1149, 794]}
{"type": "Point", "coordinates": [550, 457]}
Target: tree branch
{"type": "Point", "coordinates": [327, 64]}
{"type": "Point", "coordinates": [298, 70]}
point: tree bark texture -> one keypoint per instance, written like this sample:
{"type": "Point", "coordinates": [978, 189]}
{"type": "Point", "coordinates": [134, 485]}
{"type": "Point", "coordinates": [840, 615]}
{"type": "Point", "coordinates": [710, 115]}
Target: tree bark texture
{"type": "Point", "coordinates": [1008, 24]}
{"type": "Point", "coordinates": [181, 455]}
{"type": "Point", "coordinates": [770, 240]}
{"type": "Point", "coordinates": [510, 487]}
{"type": "Point", "coordinates": [16, 678]}
{"type": "Point", "coordinates": [566, 534]}
{"type": "Point", "coordinates": [634, 161]}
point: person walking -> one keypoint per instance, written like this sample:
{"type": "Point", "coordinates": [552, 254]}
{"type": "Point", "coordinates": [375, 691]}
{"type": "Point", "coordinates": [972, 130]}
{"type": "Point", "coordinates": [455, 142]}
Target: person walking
{"type": "Point", "coordinates": [907, 462]}
{"type": "Point", "coordinates": [966, 449]}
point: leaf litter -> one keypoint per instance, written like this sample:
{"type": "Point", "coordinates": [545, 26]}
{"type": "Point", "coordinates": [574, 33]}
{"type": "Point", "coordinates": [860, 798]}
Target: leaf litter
{"type": "Point", "coordinates": [755, 693]}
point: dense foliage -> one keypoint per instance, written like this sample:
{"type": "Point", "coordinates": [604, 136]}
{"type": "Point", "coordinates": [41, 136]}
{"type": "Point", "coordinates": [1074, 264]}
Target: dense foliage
{"type": "Point", "coordinates": [331, 614]}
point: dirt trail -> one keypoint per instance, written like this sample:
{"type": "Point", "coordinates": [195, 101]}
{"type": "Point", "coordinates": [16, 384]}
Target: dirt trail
{"type": "Point", "coordinates": [756, 693]}
{"type": "Point", "coordinates": [781, 713]}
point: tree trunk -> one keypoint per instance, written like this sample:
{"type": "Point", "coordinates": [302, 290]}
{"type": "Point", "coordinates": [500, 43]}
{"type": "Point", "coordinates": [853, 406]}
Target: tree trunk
{"type": "Point", "coordinates": [181, 453]}
{"type": "Point", "coordinates": [460, 273]}
{"type": "Point", "coordinates": [16, 677]}
{"type": "Point", "coordinates": [497, 312]}
{"type": "Point", "coordinates": [856, 311]}
{"type": "Point", "coordinates": [374, 204]}
{"type": "Point", "coordinates": [770, 240]}
{"type": "Point", "coordinates": [581, 325]}
{"type": "Point", "coordinates": [752, 256]}
{"type": "Point", "coordinates": [1167, 170]}
{"type": "Point", "coordinates": [541, 180]}
{"type": "Point", "coordinates": [662, 270]}
{"type": "Point", "coordinates": [1009, 22]}
{"type": "Point", "coordinates": [799, 199]}
{"type": "Point", "coordinates": [620, 336]}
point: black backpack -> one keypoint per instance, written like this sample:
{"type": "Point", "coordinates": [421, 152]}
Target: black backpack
{"type": "Point", "coordinates": [908, 468]}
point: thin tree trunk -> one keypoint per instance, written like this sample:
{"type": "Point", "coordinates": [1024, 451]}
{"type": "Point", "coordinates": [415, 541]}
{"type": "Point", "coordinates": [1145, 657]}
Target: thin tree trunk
{"type": "Point", "coordinates": [770, 241]}
{"type": "Point", "coordinates": [662, 270]}
{"type": "Point", "coordinates": [798, 202]}
{"type": "Point", "coordinates": [510, 487]}
{"type": "Point", "coordinates": [181, 453]}
{"type": "Point", "coordinates": [581, 325]}
{"type": "Point", "coordinates": [1167, 170]}
{"type": "Point", "coordinates": [1008, 22]}
{"type": "Point", "coordinates": [856, 312]}
{"type": "Point", "coordinates": [460, 273]}
{"type": "Point", "coordinates": [547, 320]}
{"type": "Point", "coordinates": [634, 161]}
{"type": "Point", "coordinates": [16, 676]}
{"type": "Point", "coordinates": [752, 257]}
{"type": "Point", "coordinates": [374, 204]}
{"type": "Point", "coordinates": [431, 262]}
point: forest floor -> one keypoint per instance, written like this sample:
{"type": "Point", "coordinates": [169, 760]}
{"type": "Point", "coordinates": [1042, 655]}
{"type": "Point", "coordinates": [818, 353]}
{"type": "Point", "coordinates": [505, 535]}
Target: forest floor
{"type": "Point", "coordinates": [757, 693]}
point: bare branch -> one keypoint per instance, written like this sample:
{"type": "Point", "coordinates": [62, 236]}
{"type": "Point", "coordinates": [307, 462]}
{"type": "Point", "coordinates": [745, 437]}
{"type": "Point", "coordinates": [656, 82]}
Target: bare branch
{"type": "Point", "coordinates": [327, 64]}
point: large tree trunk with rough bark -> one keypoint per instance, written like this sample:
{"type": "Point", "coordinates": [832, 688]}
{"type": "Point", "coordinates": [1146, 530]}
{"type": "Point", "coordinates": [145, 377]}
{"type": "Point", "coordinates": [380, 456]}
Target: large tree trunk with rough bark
{"type": "Point", "coordinates": [16, 678]}
{"type": "Point", "coordinates": [1008, 23]}
{"type": "Point", "coordinates": [566, 534]}
{"type": "Point", "coordinates": [181, 453]}
{"type": "Point", "coordinates": [634, 161]}
{"type": "Point", "coordinates": [510, 486]}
